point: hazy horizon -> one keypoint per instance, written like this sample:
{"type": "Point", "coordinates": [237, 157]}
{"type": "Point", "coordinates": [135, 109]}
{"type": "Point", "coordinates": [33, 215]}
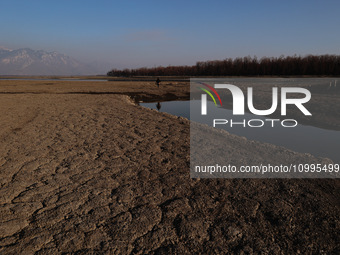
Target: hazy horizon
{"type": "Point", "coordinates": [146, 34]}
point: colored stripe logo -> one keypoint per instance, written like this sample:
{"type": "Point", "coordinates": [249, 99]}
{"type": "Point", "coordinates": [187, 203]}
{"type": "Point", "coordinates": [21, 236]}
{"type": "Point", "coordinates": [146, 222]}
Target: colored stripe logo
{"type": "Point", "coordinates": [213, 90]}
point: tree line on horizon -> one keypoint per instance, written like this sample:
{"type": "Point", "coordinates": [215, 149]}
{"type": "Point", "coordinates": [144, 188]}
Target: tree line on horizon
{"type": "Point", "coordinates": [321, 65]}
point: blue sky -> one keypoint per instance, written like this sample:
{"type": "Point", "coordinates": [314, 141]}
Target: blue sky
{"type": "Point", "coordinates": [151, 33]}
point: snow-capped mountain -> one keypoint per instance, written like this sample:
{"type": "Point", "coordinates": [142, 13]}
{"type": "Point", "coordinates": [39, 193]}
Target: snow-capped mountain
{"type": "Point", "coordinates": [29, 62]}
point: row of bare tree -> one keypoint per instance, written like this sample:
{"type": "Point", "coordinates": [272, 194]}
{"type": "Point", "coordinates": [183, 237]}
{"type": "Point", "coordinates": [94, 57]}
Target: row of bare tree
{"type": "Point", "coordinates": [291, 65]}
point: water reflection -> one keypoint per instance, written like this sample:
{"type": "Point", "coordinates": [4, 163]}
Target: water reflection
{"type": "Point", "coordinates": [158, 106]}
{"type": "Point", "coordinates": [178, 108]}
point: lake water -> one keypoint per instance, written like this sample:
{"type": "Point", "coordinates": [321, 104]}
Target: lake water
{"type": "Point", "coordinates": [307, 139]}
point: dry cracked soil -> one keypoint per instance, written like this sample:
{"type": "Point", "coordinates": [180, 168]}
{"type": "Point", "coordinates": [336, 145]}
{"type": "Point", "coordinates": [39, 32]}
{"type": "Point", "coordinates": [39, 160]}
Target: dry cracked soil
{"type": "Point", "coordinates": [84, 170]}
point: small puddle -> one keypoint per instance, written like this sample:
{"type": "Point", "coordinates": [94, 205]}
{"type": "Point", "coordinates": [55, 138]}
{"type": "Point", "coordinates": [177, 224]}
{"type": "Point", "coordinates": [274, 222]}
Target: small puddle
{"type": "Point", "coordinates": [178, 108]}
{"type": "Point", "coordinates": [306, 139]}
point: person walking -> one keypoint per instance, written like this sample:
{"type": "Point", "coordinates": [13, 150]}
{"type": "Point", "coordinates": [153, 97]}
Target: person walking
{"type": "Point", "coordinates": [158, 81]}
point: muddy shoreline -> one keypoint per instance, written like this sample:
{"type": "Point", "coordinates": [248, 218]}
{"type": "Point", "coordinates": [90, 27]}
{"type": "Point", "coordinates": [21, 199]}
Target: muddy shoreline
{"type": "Point", "coordinates": [85, 170]}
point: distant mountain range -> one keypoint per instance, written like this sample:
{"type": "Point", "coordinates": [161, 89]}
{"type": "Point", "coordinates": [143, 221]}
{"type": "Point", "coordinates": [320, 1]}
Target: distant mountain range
{"type": "Point", "coordinates": [30, 62]}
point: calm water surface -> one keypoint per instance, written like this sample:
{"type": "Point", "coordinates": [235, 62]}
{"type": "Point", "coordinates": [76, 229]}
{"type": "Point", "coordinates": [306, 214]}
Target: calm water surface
{"type": "Point", "coordinates": [307, 139]}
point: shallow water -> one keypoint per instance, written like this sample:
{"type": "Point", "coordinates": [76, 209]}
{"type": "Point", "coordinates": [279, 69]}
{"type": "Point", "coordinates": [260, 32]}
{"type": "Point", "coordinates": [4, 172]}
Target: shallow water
{"type": "Point", "coordinates": [307, 139]}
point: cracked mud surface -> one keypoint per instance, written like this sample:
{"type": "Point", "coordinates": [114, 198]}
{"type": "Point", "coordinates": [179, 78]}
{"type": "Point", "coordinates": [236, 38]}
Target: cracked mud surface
{"type": "Point", "coordinates": [96, 174]}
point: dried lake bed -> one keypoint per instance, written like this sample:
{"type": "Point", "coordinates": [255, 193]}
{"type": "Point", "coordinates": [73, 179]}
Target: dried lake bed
{"type": "Point", "coordinates": [86, 170]}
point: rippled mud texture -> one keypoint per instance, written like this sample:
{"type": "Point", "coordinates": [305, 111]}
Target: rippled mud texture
{"type": "Point", "coordinates": [86, 171]}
